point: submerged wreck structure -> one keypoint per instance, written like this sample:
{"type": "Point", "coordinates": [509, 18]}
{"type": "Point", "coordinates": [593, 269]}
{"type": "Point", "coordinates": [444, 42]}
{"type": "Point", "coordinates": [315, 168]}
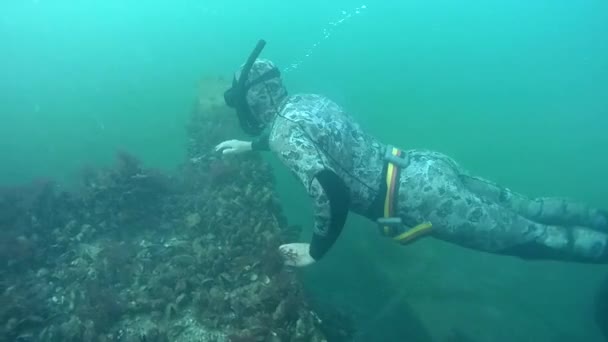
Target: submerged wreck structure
{"type": "Point", "coordinates": [137, 255]}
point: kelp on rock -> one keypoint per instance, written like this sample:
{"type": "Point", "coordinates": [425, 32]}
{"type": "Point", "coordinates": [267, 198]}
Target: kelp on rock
{"type": "Point", "coordinates": [137, 255]}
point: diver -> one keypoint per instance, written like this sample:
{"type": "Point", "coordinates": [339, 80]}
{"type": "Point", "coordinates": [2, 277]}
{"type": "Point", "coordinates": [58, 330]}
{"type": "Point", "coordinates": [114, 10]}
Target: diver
{"type": "Point", "coordinates": [409, 193]}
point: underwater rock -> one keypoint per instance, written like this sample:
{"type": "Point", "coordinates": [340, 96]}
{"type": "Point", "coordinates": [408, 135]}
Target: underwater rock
{"type": "Point", "coordinates": [105, 264]}
{"type": "Point", "coordinates": [306, 330]}
{"type": "Point", "coordinates": [211, 90]}
{"type": "Point", "coordinates": [72, 330]}
{"type": "Point", "coordinates": [192, 220]}
{"type": "Point", "coordinates": [286, 311]}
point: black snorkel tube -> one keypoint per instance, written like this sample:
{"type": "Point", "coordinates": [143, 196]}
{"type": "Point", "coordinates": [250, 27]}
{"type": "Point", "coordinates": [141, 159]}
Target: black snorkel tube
{"type": "Point", "coordinates": [236, 96]}
{"type": "Point", "coordinates": [252, 57]}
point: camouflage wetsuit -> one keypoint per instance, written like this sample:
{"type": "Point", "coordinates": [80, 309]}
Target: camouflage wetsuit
{"type": "Point", "coordinates": [342, 169]}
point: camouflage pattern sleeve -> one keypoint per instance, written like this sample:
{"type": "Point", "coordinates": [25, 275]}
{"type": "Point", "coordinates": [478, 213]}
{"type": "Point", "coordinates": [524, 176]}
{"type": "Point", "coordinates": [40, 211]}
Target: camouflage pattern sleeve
{"type": "Point", "coordinates": [296, 151]}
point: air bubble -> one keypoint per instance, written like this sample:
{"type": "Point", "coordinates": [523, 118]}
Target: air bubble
{"type": "Point", "coordinates": [327, 32]}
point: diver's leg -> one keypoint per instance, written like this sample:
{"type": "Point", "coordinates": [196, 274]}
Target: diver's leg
{"type": "Point", "coordinates": [463, 217]}
{"type": "Point", "coordinates": [551, 211]}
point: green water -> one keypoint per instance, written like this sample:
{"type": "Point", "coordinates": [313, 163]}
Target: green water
{"type": "Point", "coordinates": [514, 90]}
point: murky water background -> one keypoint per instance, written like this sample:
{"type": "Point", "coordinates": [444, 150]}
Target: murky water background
{"type": "Point", "coordinates": [514, 90]}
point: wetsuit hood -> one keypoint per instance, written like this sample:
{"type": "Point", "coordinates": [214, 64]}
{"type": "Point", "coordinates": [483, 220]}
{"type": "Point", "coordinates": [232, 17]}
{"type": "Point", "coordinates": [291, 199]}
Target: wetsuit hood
{"type": "Point", "coordinates": [257, 93]}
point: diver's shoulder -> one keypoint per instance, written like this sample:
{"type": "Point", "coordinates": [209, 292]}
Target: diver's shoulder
{"type": "Point", "coordinates": [313, 100]}
{"type": "Point", "coordinates": [306, 97]}
{"type": "Point", "coordinates": [307, 105]}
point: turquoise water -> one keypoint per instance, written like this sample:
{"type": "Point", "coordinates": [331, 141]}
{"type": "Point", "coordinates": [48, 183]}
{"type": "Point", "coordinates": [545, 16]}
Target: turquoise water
{"type": "Point", "coordinates": [514, 90]}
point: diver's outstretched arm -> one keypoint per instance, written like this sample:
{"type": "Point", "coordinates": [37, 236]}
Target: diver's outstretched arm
{"type": "Point", "coordinates": [240, 146]}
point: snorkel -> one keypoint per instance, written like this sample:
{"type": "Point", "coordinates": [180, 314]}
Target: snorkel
{"type": "Point", "coordinates": [236, 96]}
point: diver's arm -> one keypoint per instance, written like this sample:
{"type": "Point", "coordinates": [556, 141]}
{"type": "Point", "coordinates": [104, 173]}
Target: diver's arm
{"type": "Point", "coordinates": [328, 192]}
{"type": "Point", "coordinates": [240, 146]}
{"type": "Point", "coordinates": [331, 202]}
{"type": "Point", "coordinates": [330, 211]}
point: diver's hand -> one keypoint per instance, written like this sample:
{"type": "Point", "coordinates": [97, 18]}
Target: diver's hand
{"type": "Point", "coordinates": [233, 146]}
{"type": "Point", "coordinates": [296, 254]}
